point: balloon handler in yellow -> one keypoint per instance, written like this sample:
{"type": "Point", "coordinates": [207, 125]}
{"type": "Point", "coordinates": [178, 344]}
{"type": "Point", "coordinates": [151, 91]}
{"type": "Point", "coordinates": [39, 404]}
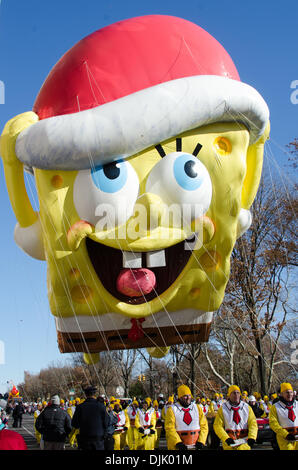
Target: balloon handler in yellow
{"type": "Point", "coordinates": [132, 432]}
{"type": "Point", "coordinates": [145, 423]}
{"type": "Point", "coordinates": [235, 423]}
{"type": "Point", "coordinates": [283, 418]}
{"type": "Point", "coordinates": [146, 150]}
{"type": "Point", "coordinates": [186, 425]}
{"type": "Point", "coordinates": [122, 425]}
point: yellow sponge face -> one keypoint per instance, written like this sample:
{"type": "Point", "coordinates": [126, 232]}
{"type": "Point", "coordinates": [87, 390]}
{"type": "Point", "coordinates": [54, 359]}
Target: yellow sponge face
{"type": "Point", "coordinates": [87, 249]}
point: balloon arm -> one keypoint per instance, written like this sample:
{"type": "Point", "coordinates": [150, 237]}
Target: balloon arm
{"type": "Point", "coordinates": [18, 196]}
{"type": "Point", "coordinates": [29, 239]}
{"type": "Point", "coordinates": [13, 168]}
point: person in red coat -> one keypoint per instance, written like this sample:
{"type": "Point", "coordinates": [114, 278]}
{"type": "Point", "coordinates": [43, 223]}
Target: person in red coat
{"type": "Point", "coordinates": [11, 440]}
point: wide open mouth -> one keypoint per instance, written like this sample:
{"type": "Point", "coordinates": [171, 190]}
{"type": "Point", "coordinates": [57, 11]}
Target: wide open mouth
{"type": "Point", "coordinates": [109, 262]}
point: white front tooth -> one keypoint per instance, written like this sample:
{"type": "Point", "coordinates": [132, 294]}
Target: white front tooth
{"type": "Point", "coordinates": [155, 259]}
{"type": "Point", "coordinates": [132, 259]}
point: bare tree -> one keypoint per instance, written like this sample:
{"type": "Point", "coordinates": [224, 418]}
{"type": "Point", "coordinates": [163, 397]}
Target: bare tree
{"type": "Point", "coordinates": [103, 374]}
{"type": "Point", "coordinates": [125, 361]}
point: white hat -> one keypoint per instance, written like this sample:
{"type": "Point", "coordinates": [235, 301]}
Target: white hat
{"type": "Point", "coordinates": [252, 398]}
{"type": "Point", "coordinates": [55, 400]}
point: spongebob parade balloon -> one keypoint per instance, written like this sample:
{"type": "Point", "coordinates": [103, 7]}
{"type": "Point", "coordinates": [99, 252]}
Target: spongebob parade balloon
{"type": "Point", "coordinates": [146, 149]}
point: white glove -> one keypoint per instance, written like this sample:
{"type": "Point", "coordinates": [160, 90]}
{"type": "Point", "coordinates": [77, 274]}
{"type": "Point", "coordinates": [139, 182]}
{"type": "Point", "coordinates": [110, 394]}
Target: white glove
{"type": "Point", "coordinates": [146, 432]}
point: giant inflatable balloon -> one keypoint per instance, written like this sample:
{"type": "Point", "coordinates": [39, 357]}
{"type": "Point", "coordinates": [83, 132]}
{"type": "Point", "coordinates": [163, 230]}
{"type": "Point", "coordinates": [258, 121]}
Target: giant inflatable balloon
{"type": "Point", "coordinates": [146, 149]}
{"type": "Point", "coordinates": [14, 393]}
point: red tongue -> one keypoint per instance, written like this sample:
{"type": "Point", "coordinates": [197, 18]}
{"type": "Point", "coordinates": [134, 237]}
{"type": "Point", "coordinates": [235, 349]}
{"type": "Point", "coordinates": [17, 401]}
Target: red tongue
{"type": "Point", "coordinates": [136, 282]}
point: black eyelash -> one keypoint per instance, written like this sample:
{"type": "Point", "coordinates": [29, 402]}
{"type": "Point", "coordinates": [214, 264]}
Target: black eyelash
{"type": "Point", "coordinates": [197, 149]}
{"type": "Point", "coordinates": [178, 144]}
{"type": "Point", "coordinates": [160, 150]}
{"type": "Point", "coordinates": [162, 153]}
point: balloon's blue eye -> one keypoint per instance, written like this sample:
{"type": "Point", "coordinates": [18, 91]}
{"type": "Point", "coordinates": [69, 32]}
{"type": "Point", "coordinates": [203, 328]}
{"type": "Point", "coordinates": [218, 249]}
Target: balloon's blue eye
{"type": "Point", "coordinates": [110, 178]}
{"type": "Point", "coordinates": [187, 172]}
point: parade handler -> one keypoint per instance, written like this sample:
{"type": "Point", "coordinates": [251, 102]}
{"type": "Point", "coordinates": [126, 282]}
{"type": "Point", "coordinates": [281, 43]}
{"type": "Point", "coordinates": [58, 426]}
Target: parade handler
{"type": "Point", "coordinates": [122, 426]}
{"type": "Point", "coordinates": [185, 423]}
{"type": "Point", "coordinates": [92, 421]}
{"type": "Point", "coordinates": [159, 424]}
{"type": "Point", "coordinates": [37, 412]}
{"type": "Point", "coordinates": [145, 423]}
{"type": "Point", "coordinates": [235, 420]}
{"type": "Point", "coordinates": [283, 418]}
{"type": "Point", "coordinates": [132, 432]}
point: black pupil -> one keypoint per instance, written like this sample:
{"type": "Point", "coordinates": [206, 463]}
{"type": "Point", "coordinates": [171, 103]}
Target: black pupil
{"type": "Point", "coordinates": [111, 170]}
{"type": "Point", "coordinates": [189, 169]}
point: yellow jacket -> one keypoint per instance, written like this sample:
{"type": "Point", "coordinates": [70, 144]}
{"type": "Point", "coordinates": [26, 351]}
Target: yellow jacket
{"type": "Point", "coordinates": [219, 425]}
{"type": "Point", "coordinates": [131, 418]}
{"type": "Point", "coordinates": [274, 423]}
{"type": "Point", "coordinates": [170, 428]}
{"type": "Point", "coordinates": [127, 420]}
{"type": "Point", "coordinates": [211, 408]}
{"type": "Point", "coordinates": [262, 407]}
{"type": "Point", "coordinates": [164, 412]}
{"type": "Point", "coordinates": [152, 422]}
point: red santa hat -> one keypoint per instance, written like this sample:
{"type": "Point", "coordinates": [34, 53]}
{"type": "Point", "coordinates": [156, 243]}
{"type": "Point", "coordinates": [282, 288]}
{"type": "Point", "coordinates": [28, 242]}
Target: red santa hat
{"type": "Point", "coordinates": [132, 85]}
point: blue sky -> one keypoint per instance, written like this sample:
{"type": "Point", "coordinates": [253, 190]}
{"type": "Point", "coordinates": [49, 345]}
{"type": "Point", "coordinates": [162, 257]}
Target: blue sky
{"type": "Point", "coordinates": [261, 38]}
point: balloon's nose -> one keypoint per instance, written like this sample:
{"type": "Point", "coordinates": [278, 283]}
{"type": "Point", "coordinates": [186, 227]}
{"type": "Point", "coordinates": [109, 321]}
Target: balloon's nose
{"type": "Point", "coordinates": [152, 209]}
